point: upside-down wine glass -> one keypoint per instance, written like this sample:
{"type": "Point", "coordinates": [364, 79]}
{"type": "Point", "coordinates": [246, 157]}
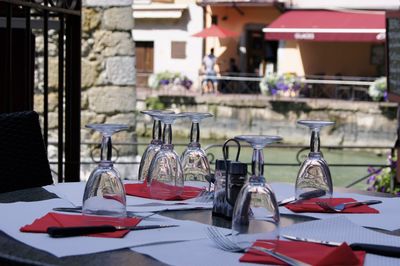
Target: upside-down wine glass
{"type": "Point", "coordinates": [104, 192]}
{"type": "Point", "coordinates": [154, 146]}
{"type": "Point", "coordinates": [314, 178]}
{"type": "Point", "coordinates": [165, 177]}
{"type": "Point", "coordinates": [194, 160]}
{"type": "Point", "coordinates": [256, 209]}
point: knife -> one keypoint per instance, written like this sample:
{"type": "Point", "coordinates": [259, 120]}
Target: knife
{"type": "Point", "coordinates": [388, 251]}
{"type": "Point", "coordinates": [84, 230]}
{"type": "Point", "coordinates": [79, 210]}
{"type": "Point", "coordinates": [306, 195]}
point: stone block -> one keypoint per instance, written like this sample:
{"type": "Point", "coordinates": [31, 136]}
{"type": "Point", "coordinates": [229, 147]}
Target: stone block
{"type": "Point", "coordinates": [90, 73]}
{"type": "Point", "coordinates": [53, 73]}
{"type": "Point", "coordinates": [90, 19]}
{"type": "Point", "coordinates": [53, 101]}
{"type": "Point", "coordinates": [128, 119]}
{"type": "Point", "coordinates": [111, 99]}
{"type": "Point", "coordinates": [118, 18]}
{"type": "Point", "coordinates": [53, 120]}
{"type": "Point", "coordinates": [110, 43]}
{"type": "Point", "coordinates": [106, 3]}
{"type": "Point", "coordinates": [120, 70]}
{"type": "Point", "coordinates": [88, 117]}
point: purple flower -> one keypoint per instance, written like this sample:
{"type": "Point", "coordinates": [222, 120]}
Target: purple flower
{"type": "Point", "coordinates": [187, 83]}
{"type": "Point", "coordinates": [280, 85]}
{"type": "Point", "coordinates": [273, 91]}
{"type": "Point", "coordinates": [164, 82]}
{"type": "Point", "coordinates": [371, 179]}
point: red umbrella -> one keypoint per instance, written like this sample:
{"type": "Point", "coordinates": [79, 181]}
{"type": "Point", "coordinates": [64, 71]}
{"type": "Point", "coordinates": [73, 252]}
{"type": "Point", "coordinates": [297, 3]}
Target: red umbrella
{"type": "Point", "coordinates": [215, 31]}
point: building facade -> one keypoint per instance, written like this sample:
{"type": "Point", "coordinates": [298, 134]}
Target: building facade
{"type": "Point", "coordinates": [163, 40]}
{"type": "Point", "coordinates": [301, 54]}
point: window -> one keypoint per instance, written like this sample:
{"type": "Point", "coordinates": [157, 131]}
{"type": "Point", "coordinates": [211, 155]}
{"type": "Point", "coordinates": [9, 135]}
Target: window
{"type": "Point", "coordinates": [178, 50]}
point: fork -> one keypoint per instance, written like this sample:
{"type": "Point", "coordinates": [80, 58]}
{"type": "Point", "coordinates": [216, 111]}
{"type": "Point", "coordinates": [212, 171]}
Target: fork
{"type": "Point", "coordinates": [225, 243]}
{"type": "Point", "coordinates": [342, 206]}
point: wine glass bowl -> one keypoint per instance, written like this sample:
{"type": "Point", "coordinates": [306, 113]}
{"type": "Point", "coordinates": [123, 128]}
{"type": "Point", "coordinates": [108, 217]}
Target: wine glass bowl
{"type": "Point", "coordinates": [256, 208]}
{"type": "Point", "coordinates": [314, 177]}
{"type": "Point", "coordinates": [104, 191]}
{"type": "Point", "coordinates": [165, 177]}
{"type": "Point", "coordinates": [154, 145]}
{"type": "Point", "coordinates": [195, 164]}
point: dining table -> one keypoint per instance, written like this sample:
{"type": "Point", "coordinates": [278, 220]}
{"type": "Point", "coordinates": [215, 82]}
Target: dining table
{"type": "Point", "coordinates": [14, 252]}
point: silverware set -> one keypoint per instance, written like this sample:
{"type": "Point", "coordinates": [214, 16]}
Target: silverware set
{"type": "Point", "coordinates": [340, 207]}
{"type": "Point", "coordinates": [382, 250]}
{"type": "Point", "coordinates": [225, 243]}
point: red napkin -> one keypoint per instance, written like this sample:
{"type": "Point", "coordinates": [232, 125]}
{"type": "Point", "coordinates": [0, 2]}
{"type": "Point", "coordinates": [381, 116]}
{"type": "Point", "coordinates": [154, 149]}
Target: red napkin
{"type": "Point", "coordinates": [161, 191]}
{"type": "Point", "coordinates": [64, 220]}
{"type": "Point", "coordinates": [314, 254]}
{"type": "Point", "coordinates": [309, 205]}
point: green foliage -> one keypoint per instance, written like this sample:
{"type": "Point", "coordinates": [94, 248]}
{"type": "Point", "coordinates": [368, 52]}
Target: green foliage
{"type": "Point", "coordinates": [377, 90]}
{"type": "Point", "coordinates": [154, 103]}
{"type": "Point", "coordinates": [384, 180]}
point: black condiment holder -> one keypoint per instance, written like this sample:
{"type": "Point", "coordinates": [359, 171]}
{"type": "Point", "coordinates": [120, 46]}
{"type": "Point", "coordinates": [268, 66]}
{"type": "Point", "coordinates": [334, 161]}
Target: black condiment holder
{"type": "Point", "coordinates": [235, 177]}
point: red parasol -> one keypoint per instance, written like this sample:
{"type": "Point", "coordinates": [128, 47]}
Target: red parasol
{"type": "Point", "coordinates": [215, 31]}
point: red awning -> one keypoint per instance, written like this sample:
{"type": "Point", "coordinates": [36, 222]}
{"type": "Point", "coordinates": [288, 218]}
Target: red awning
{"type": "Point", "coordinates": [318, 25]}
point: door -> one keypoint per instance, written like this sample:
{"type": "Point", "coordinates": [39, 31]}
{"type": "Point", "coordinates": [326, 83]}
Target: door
{"type": "Point", "coordinates": [261, 54]}
{"type": "Point", "coordinates": [144, 62]}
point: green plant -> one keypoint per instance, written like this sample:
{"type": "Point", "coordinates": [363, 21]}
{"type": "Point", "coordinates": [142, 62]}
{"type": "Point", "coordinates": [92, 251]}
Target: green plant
{"type": "Point", "coordinates": [166, 78]}
{"type": "Point", "coordinates": [378, 89]}
{"type": "Point", "coordinates": [384, 180]}
{"type": "Point", "coordinates": [154, 103]}
{"type": "Point", "coordinates": [287, 84]}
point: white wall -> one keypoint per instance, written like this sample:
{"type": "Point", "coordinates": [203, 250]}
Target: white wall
{"type": "Point", "coordinates": [162, 32]}
{"type": "Point", "coordinates": [289, 58]}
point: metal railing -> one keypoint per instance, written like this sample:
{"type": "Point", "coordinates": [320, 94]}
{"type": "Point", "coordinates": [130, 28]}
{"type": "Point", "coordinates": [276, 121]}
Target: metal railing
{"type": "Point", "coordinates": [302, 151]}
{"type": "Point", "coordinates": [21, 22]}
{"type": "Point", "coordinates": [338, 87]}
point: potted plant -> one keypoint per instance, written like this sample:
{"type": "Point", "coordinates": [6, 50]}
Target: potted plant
{"type": "Point", "coordinates": [169, 80]}
{"type": "Point", "coordinates": [286, 85]}
{"type": "Point", "coordinates": [384, 180]}
{"type": "Point", "coordinates": [377, 90]}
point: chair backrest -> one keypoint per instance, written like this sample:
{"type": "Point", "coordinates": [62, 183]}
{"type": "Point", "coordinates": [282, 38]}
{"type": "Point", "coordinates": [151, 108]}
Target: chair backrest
{"type": "Point", "coordinates": [23, 156]}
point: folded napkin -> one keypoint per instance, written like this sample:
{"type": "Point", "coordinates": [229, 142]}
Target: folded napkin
{"type": "Point", "coordinates": [65, 220]}
{"type": "Point", "coordinates": [314, 254]}
{"type": "Point", "coordinates": [310, 205]}
{"type": "Point", "coordinates": [161, 191]}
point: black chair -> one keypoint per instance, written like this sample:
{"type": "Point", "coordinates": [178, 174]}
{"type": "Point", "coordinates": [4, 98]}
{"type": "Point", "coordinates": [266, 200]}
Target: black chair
{"type": "Point", "coordinates": [23, 156]}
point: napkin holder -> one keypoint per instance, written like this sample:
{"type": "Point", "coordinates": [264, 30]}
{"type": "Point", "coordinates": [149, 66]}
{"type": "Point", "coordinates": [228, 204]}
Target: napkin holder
{"type": "Point", "coordinates": [230, 177]}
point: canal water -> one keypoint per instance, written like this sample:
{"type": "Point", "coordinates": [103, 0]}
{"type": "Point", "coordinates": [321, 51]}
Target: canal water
{"type": "Point", "coordinates": [342, 176]}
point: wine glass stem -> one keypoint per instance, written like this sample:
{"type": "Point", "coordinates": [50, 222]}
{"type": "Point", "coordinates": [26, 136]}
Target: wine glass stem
{"type": "Point", "coordinates": [106, 148]}
{"type": "Point", "coordinates": [315, 143]}
{"type": "Point", "coordinates": [167, 134]}
{"type": "Point", "coordinates": [157, 129]}
{"type": "Point", "coordinates": [257, 163]}
{"type": "Point", "coordinates": [195, 132]}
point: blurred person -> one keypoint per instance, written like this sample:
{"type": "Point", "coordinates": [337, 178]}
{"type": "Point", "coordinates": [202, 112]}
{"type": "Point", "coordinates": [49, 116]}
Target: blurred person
{"type": "Point", "coordinates": [209, 64]}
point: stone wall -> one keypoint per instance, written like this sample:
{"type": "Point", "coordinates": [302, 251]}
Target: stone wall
{"type": "Point", "coordinates": [108, 72]}
{"type": "Point", "coordinates": [357, 123]}
{"type": "Point", "coordinates": [108, 76]}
